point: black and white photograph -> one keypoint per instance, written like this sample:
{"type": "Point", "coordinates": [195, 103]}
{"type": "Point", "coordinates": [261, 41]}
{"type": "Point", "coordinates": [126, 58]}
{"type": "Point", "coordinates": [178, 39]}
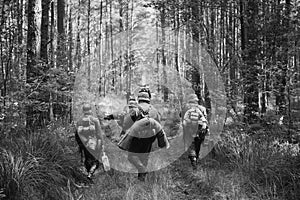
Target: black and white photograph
{"type": "Point", "coordinates": [149, 100]}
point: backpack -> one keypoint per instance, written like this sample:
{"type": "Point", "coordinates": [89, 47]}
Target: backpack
{"type": "Point", "coordinates": [86, 128]}
{"type": "Point", "coordinates": [142, 113]}
{"type": "Point", "coordinates": [194, 115]}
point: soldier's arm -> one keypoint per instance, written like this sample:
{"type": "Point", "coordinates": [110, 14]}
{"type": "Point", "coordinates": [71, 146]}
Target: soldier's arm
{"type": "Point", "coordinates": [185, 118]}
{"type": "Point", "coordinates": [205, 112]}
{"type": "Point", "coordinates": [129, 119]}
{"type": "Point", "coordinates": [81, 137]}
{"type": "Point", "coordinates": [99, 132]}
{"type": "Point", "coordinates": [203, 121]}
{"type": "Point", "coordinates": [114, 116]}
{"type": "Point", "coordinates": [161, 136]}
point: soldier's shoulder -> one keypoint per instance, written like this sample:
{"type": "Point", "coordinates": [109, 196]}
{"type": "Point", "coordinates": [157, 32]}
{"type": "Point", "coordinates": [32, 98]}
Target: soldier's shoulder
{"type": "Point", "coordinates": [154, 122]}
{"type": "Point", "coordinates": [202, 107]}
{"type": "Point", "coordinates": [94, 119]}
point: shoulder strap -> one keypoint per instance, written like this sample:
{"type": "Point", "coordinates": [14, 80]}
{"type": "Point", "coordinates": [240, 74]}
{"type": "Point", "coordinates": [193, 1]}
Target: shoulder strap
{"type": "Point", "coordinates": [144, 112]}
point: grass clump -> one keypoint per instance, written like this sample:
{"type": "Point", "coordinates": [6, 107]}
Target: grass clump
{"type": "Point", "coordinates": [38, 166]}
{"type": "Point", "coordinates": [269, 166]}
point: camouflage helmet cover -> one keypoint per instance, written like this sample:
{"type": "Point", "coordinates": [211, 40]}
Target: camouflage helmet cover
{"type": "Point", "coordinates": [143, 96]}
{"type": "Point", "coordinates": [86, 108]}
{"type": "Point", "coordinates": [192, 98]}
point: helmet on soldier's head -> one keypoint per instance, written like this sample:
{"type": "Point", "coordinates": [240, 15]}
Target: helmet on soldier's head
{"type": "Point", "coordinates": [145, 88]}
{"type": "Point", "coordinates": [132, 102]}
{"type": "Point", "coordinates": [86, 108]}
{"type": "Point", "coordinates": [192, 98]}
{"type": "Point", "coordinates": [144, 96]}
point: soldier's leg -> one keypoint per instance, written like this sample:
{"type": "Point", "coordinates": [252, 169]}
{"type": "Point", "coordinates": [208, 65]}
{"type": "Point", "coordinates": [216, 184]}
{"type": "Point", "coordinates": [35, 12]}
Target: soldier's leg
{"type": "Point", "coordinates": [91, 163]}
{"type": "Point", "coordinates": [192, 154]}
{"type": "Point", "coordinates": [144, 159]}
{"type": "Point", "coordinates": [137, 161]}
{"type": "Point", "coordinates": [197, 146]}
{"type": "Point", "coordinates": [87, 160]}
{"type": "Point", "coordinates": [200, 140]}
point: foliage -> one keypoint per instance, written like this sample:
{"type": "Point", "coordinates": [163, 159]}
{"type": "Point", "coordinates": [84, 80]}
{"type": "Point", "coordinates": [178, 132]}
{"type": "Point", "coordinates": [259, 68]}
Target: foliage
{"type": "Point", "coordinates": [39, 165]}
{"type": "Point", "coordinates": [266, 159]}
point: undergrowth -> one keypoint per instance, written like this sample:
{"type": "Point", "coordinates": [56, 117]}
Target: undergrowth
{"type": "Point", "coordinates": [38, 165]}
{"type": "Point", "coordinates": [250, 162]}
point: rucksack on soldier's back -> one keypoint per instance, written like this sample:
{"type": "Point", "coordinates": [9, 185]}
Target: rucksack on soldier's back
{"type": "Point", "coordinates": [193, 116]}
{"type": "Point", "coordinates": [86, 129]}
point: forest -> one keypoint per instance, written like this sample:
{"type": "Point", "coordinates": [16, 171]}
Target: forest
{"type": "Point", "coordinates": [241, 58]}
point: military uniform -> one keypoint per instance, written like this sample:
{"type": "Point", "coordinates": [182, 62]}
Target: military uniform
{"type": "Point", "coordinates": [143, 129]}
{"type": "Point", "coordinates": [91, 163]}
{"type": "Point", "coordinates": [197, 131]}
{"type": "Point", "coordinates": [138, 142]}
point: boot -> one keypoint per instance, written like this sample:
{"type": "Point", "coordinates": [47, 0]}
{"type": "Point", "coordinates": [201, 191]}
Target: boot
{"type": "Point", "coordinates": [142, 177]}
{"type": "Point", "coordinates": [92, 171]}
{"type": "Point", "coordinates": [194, 163]}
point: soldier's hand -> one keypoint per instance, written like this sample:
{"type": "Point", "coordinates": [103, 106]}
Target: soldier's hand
{"type": "Point", "coordinates": [109, 117]}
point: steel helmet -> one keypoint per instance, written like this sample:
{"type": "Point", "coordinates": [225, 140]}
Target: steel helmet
{"type": "Point", "coordinates": [132, 102]}
{"type": "Point", "coordinates": [86, 108]}
{"type": "Point", "coordinates": [192, 98]}
{"type": "Point", "coordinates": [144, 96]}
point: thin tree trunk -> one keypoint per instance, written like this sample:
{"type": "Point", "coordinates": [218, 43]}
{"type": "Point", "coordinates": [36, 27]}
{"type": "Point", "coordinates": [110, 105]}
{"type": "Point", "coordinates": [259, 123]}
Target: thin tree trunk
{"type": "Point", "coordinates": [31, 55]}
{"type": "Point", "coordinates": [250, 70]}
{"type": "Point", "coordinates": [196, 79]}
{"type": "Point", "coordinates": [20, 40]}
{"type": "Point", "coordinates": [163, 55]}
{"type": "Point", "coordinates": [114, 80]}
{"type": "Point", "coordinates": [89, 45]}
{"type": "Point", "coordinates": [70, 40]}
{"type": "Point", "coordinates": [121, 52]}
{"type": "Point", "coordinates": [61, 56]}
{"type": "Point", "coordinates": [45, 31]}
{"type": "Point", "coordinates": [78, 41]}
{"type": "Point", "coordinates": [31, 41]}
{"type": "Point", "coordinates": [100, 48]}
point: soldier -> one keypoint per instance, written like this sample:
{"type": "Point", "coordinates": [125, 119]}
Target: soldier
{"type": "Point", "coordinates": [195, 127]}
{"type": "Point", "coordinates": [89, 137]}
{"type": "Point", "coordinates": [144, 107]}
{"type": "Point", "coordinates": [142, 120]}
{"type": "Point", "coordinates": [132, 104]}
{"type": "Point", "coordinates": [138, 141]}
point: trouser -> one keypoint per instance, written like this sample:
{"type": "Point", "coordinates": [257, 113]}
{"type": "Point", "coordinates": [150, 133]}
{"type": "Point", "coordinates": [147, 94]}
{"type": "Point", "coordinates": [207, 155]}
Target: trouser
{"type": "Point", "coordinates": [140, 161]}
{"type": "Point", "coordinates": [195, 147]}
{"type": "Point", "coordinates": [90, 162]}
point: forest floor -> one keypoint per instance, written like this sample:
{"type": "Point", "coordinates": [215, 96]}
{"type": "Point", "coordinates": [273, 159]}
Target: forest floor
{"type": "Point", "coordinates": [178, 181]}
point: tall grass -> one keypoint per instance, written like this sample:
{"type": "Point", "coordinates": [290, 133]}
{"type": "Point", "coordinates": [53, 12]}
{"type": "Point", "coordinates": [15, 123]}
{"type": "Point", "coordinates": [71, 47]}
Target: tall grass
{"type": "Point", "coordinates": [249, 164]}
{"type": "Point", "coordinates": [268, 165]}
{"type": "Point", "coordinates": [38, 166]}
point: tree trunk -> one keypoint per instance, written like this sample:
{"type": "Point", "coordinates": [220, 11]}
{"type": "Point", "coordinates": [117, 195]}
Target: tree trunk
{"type": "Point", "coordinates": [52, 34]}
{"type": "Point", "coordinates": [114, 80]}
{"type": "Point", "coordinates": [89, 45]}
{"type": "Point", "coordinates": [61, 50]}
{"type": "Point", "coordinates": [70, 40]}
{"type": "Point", "coordinates": [31, 73]}
{"type": "Point", "coordinates": [250, 70]}
{"type": "Point", "coordinates": [78, 41]}
{"type": "Point", "coordinates": [31, 41]}
{"type": "Point", "coordinates": [45, 31]}
{"type": "Point", "coordinates": [121, 29]}
{"type": "Point", "coordinates": [196, 76]}
{"type": "Point", "coordinates": [163, 55]}
{"type": "Point", "coordinates": [100, 49]}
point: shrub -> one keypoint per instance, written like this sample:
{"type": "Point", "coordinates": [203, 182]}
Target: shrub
{"type": "Point", "coordinates": [270, 165]}
{"type": "Point", "coordinates": [38, 166]}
